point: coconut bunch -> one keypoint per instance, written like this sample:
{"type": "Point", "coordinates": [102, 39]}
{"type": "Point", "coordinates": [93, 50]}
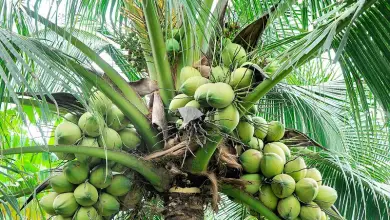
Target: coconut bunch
{"type": "Point", "coordinates": [81, 193]}
{"type": "Point", "coordinates": [106, 128]}
{"type": "Point", "coordinates": [280, 180]}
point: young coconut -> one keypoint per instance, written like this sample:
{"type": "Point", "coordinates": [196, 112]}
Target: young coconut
{"type": "Point", "coordinates": [101, 177]}
{"type": "Point", "coordinates": [253, 184]}
{"type": "Point", "coordinates": [60, 217]}
{"type": "Point", "coordinates": [107, 205]}
{"type": "Point", "coordinates": [110, 139]}
{"type": "Point", "coordinates": [46, 202]}
{"type": "Point", "coordinates": [273, 148]}
{"type": "Point", "coordinates": [241, 78]}
{"type": "Point", "coordinates": [283, 185]}
{"type": "Point", "coordinates": [233, 54]}
{"type": "Point", "coordinates": [69, 134]}
{"type": "Point", "coordinates": [71, 118]}
{"type": "Point", "coordinates": [250, 160]}
{"type": "Point", "coordinates": [191, 84]}
{"type": "Point", "coordinates": [76, 172]}
{"type": "Point", "coordinates": [116, 119]}
{"type": "Point", "coordinates": [65, 204]}
{"type": "Point", "coordinates": [310, 212]}
{"type": "Point", "coordinates": [286, 150]}
{"type": "Point", "coordinates": [227, 118]}
{"type": "Point", "coordinates": [194, 104]}
{"type": "Point", "coordinates": [100, 102]}
{"type": "Point", "coordinates": [201, 94]}
{"type": "Point", "coordinates": [267, 197]}
{"type": "Point", "coordinates": [261, 127]}
{"type": "Point", "coordinates": [179, 101]}
{"type": "Point", "coordinates": [323, 216]}
{"type": "Point", "coordinates": [275, 131]}
{"type": "Point", "coordinates": [326, 197]}
{"type": "Point", "coordinates": [315, 175]}
{"type": "Point", "coordinates": [256, 143]}
{"type": "Point", "coordinates": [130, 138]}
{"type": "Point", "coordinates": [187, 72]}
{"type": "Point", "coordinates": [289, 208]}
{"type": "Point", "coordinates": [120, 185]}
{"type": "Point", "coordinates": [219, 74]}
{"type": "Point", "coordinates": [271, 165]}
{"type": "Point", "coordinates": [88, 142]}
{"type": "Point", "coordinates": [245, 131]}
{"type": "Point", "coordinates": [86, 194]}
{"type": "Point", "coordinates": [60, 184]}
{"type": "Point", "coordinates": [220, 95]}
{"type": "Point", "coordinates": [172, 45]}
{"type": "Point", "coordinates": [87, 213]}
{"type": "Point", "coordinates": [306, 190]}
{"type": "Point", "coordinates": [91, 124]}
{"type": "Point", "coordinates": [296, 168]}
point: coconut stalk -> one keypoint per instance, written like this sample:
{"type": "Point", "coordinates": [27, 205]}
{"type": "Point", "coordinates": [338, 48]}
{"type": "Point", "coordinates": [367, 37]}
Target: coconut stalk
{"type": "Point", "coordinates": [113, 75]}
{"type": "Point", "coordinates": [140, 122]}
{"type": "Point", "coordinates": [248, 200]}
{"type": "Point", "coordinates": [204, 154]}
{"type": "Point", "coordinates": [158, 177]}
{"type": "Point", "coordinates": [160, 57]}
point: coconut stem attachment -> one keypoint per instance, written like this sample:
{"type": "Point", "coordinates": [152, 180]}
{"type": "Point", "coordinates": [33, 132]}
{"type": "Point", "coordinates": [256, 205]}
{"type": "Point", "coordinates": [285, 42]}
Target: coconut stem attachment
{"type": "Point", "coordinates": [159, 178]}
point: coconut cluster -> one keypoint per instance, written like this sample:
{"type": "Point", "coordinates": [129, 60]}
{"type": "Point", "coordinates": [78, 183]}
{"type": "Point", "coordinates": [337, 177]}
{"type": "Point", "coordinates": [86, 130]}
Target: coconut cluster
{"type": "Point", "coordinates": [89, 187]}
{"type": "Point", "coordinates": [281, 180]}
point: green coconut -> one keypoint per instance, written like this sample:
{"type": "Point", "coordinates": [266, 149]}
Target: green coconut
{"type": "Point", "coordinates": [60, 217]}
{"type": "Point", "coordinates": [194, 104]}
{"type": "Point", "coordinates": [100, 102]}
{"type": "Point", "coordinates": [256, 143]}
{"type": "Point", "coordinates": [326, 197]}
{"type": "Point", "coordinates": [289, 208]}
{"type": "Point", "coordinates": [60, 184]}
{"type": "Point", "coordinates": [172, 45]}
{"type": "Point", "coordinates": [310, 212]}
{"type": "Point", "coordinates": [107, 205]}
{"type": "Point", "coordinates": [273, 148]}
{"type": "Point", "coordinates": [116, 119]}
{"type": "Point", "coordinates": [253, 184]}
{"type": "Point", "coordinates": [191, 84]}
{"type": "Point", "coordinates": [65, 204]}
{"type": "Point", "coordinates": [233, 54]}
{"type": "Point", "coordinates": [271, 165]}
{"type": "Point", "coordinates": [275, 131]}
{"type": "Point", "coordinates": [71, 118]}
{"type": "Point", "coordinates": [283, 185]}
{"type": "Point", "coordinates": [188, 72]}
{"type": "Point", "coordinates": [101, 177]}
{"type": "Point", "coordinates": [179, 101]}
{"type": "Point", "coordinates": [220, 95]}
{"type": "Point", "coordinates": [110, 139]}
{"type": "Point", "coordinates": [306, 190]}
{"type": "Point", "coordinates": [91, 124]}
{"type": "Point", "coordinates": [87, 213]}
{"type": "Point", "coordinates": [323, 216]}
{"type": "Point", "coordinates": [120, 185]}
{"type": "Point", "coordinates": [201, 93]}
{"type": "Point", "coordinates": [286, 150]}
{"type": "Point", "coordinates": [250, 160]}
{"type": "Point", "coordinates": [67, 133]}
{"type": "Point", "coordinates": [296, 168]}
{"type": "Point", "coordinates": [86, 194]}
{"type": "Point", "coordinates": [315, 175]}
{"type": "Point", "coordinates": [227, 118]}
{"type": "Point", "coordinates": [76, 172]}
{"type": "Point", "coordinates": [119, 168]}
{"type": "Point", "coordinates": [245, 131]}
{"type": "Point", "coordinates": [219, 74]}
{"type": "Point", "coordinates": [46, 202]}
{"type": "Point", "coordinates": [241, 78]}
{"type": "Point", "coordinates": [261, 127]}
{"type": "Point", "coordinates": [88, 142]}
{"type": "Point", "coordinates": [267, 197]}
{"type": "Point", "coordinates": [130, 138]}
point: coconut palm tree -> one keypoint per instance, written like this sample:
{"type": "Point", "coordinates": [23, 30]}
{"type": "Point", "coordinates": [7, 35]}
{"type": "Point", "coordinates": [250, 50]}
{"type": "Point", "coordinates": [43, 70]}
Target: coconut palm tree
{"type": "Point", "coordinates": [321, 69]}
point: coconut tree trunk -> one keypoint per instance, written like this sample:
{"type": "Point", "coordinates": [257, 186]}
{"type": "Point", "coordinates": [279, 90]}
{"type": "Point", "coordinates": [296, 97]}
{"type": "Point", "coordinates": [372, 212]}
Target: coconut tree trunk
{"type": "Point", "coordinates": [184, 206]}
